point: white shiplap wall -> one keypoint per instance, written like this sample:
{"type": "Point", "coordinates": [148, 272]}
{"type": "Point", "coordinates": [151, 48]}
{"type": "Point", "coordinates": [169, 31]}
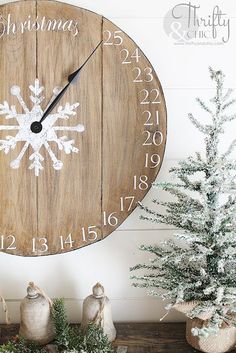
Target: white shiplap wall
{"type": "Point", "coordinates": [183, 71]}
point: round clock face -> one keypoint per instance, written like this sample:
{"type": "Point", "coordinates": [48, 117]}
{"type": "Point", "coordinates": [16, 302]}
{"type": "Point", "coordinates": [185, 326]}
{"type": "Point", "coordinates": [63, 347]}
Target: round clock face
{"type": "Point", "coordinates": [74, 163]}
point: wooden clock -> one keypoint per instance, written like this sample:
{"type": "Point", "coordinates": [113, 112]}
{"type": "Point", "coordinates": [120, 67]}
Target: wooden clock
{"type": "Point", "coordinates": [82, 127]}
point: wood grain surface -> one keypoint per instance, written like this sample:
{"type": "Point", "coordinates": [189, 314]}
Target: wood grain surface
{"type": "Point", "coordinates": [99, 186]}
{"type": "Point", "coordinates": [70, 199]}
{"type": "Point", "coordinates": [124, 132]}
{"type": "Point", "coordinates": [18, 190]}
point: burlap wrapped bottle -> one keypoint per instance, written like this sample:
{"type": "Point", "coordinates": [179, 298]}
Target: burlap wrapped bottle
{"type": "Point", "coordinates": [35, 316]}
{"type": "Point", "coordinates": [222, 342]}
{"type": "Point", "coordinates": [97, 310]}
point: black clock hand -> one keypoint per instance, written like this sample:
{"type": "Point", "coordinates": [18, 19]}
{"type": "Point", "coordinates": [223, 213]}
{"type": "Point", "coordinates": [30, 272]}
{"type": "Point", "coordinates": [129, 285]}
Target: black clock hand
{"type": "Point", "coordinates": [36, 126]}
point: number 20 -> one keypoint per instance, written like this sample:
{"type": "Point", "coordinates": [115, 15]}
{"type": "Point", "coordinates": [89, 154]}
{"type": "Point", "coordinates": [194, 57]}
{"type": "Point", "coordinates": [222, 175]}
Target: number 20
{"type": "Point", "coordinates": [155, 138]}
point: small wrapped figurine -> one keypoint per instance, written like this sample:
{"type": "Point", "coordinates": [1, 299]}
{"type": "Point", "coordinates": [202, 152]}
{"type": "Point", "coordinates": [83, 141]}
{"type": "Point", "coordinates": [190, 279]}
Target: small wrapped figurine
{"type": "Point", "coordinates": [35, 316]}
{"type": "Point", "coordinates": [97, 310]}
{"type": "Point", "coordinates": [5, 308]}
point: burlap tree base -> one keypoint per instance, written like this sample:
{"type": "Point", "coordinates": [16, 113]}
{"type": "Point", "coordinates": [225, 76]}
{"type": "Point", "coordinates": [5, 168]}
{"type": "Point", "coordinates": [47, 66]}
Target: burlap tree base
{"type": "Point", "coordinates": [223, 341]}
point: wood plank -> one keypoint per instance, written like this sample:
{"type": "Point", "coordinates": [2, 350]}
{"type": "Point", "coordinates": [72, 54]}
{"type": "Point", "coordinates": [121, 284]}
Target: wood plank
{"type": "Point", "coordinates": [124, 125]}
{"type": "Point", "coordinates": [149, 335]}
{"type": "Point", "coordinates": [153, 337]}
{"type": "Point", "coordinates": [18, 212]}
{"type": "Point", "coordinates": [69, 199]}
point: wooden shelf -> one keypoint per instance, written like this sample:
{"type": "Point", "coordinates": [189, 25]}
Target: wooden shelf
{"type": "Point", "coordinates": [138, 337]}
{"type": "Point", "coordinates": [153, 337]}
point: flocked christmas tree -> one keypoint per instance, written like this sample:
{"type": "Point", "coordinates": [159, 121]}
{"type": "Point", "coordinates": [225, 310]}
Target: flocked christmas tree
{"type": "Point", "coordinates": [199, 264]}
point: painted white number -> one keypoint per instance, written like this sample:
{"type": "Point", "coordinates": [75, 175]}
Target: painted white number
{"type": "Point", "coordinates": [150, 97]}
{"type": "Point", "coordinates": [68, 241]}
{"type": "Point", "coordinates": [155, 138]}
{"type": "Point", "coordinates": [10, 239]}
{"type": "Point", "coordinates": [40, 244]}
{"type": "Point", "coordinates": [126, 203]}
{"type": "Point", "coordinates": [89, 234]}
{"type": "Point", "coordinates": [140, 182]}
{"type": "Point", "coordinates": [113, 38]}
{"type": "Point", "coordinates": [138, 74]}
{"type": "Point", "coordinates": [152, 119]}
{"type": "Point", "coordinates": [110, 219]}
{"type": "Point", "coordinates": [154, 160]}
{"type": "Point", "coordinates": [145, 76]}
{"type": "Point", "coordinates": [126, 57]}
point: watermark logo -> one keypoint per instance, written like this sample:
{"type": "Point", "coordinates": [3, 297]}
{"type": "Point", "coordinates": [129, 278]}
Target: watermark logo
{"type": "Point", "coordinates": [188, 23]}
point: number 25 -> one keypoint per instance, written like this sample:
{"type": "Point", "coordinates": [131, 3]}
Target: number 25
{"type": "Point", "coordinates": [113, 38]}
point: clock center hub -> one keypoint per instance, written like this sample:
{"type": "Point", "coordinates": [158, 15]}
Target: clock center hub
{"type": "Point", "coordinates": [36, 127]}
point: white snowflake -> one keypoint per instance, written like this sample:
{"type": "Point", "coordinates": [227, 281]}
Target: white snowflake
{"type": "Point", "coordinates": [48, 133]}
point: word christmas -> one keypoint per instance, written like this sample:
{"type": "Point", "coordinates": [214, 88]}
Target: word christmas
{"type": "Point", "coordinates": [8, 26]}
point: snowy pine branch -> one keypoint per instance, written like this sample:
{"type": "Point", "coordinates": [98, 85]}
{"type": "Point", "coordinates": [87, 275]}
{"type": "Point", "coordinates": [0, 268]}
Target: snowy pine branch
{"type": "Point", "coordinates": [203, 128]}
